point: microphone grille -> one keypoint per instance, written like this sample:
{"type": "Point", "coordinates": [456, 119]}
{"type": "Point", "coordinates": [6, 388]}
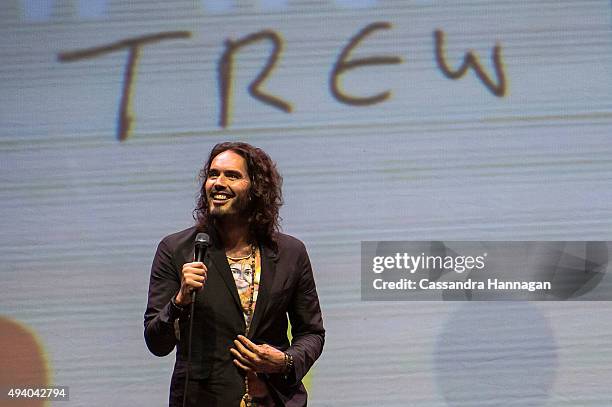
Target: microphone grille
{"type": "Point", "coordinates": [202, 239]}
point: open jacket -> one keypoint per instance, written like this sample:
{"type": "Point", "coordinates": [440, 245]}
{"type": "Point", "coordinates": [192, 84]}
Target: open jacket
{"type": "Point", "coordinates": [286, 287]}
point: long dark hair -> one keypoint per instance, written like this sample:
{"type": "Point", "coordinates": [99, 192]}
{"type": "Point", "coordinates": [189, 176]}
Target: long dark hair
{"type": "Point", "coordinates": [265, 194]}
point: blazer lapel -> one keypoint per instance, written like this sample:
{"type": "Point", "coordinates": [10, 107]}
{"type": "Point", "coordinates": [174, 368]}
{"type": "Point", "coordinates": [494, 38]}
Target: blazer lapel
{"type": "Point", "coordinates": [220, 265]}
{"type": "Point", "coordinates": [268, 268]}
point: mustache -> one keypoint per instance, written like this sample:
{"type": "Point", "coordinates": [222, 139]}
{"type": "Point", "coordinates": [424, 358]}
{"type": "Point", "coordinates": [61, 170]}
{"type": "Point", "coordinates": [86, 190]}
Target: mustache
{"type": "Point", "coordinates": [221, 191]}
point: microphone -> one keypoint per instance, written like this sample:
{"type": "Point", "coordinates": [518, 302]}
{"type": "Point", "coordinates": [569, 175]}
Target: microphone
{"type": "Point", "coordinates": [202, 241]}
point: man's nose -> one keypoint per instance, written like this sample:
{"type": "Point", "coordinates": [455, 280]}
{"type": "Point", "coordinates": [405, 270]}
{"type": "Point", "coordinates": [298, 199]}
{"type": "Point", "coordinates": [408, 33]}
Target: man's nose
{"type": "Point", "coordinates": [220, 182]}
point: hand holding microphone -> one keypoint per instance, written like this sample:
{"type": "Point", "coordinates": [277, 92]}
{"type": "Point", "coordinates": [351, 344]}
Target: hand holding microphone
{"type": "Point", "coordinates": [193, 275]}
{"type": "Point", "coordinates": [193, 278]}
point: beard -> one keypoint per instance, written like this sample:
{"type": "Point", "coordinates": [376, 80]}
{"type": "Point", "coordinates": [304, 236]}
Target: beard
{"type": "Point", "coordinates": [238, 207]}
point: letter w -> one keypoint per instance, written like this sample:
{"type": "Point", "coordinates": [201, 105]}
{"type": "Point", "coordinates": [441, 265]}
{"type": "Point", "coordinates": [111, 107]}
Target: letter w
{"type": "Point", "coordinates": [471, 60]}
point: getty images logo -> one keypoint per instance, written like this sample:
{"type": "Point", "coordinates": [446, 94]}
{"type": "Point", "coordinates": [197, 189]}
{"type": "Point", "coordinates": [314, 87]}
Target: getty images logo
{"type": "Point", "coordinates": [410, 263]}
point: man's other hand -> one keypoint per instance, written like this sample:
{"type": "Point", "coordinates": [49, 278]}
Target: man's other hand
{"type": "Point", "coordinates": [257, 358]}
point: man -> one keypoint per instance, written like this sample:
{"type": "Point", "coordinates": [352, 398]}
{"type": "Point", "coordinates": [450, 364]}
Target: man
{"type": "Point", "coordinates": [254, 276]}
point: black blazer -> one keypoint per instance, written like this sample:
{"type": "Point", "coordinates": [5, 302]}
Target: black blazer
{"type": "Point", "coordinates": [286, 287]}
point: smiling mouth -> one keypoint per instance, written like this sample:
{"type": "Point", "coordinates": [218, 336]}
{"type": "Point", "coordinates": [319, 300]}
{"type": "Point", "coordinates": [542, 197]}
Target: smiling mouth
{"type": "Point", "coordinates": [220, 197]}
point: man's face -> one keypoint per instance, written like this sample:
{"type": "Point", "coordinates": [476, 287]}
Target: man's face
{"type": "Point", "coordinates": [227, 185]}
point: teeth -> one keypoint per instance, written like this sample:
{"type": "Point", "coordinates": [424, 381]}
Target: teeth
{"type": "Point", "coordinates": [219, 196]}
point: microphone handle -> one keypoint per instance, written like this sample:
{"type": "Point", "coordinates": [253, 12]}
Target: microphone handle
{"type": "Point", "coordinates": [192, 305]}
{"type": "Point", "coordinates": [202, 241]}
{"type": "Point", "coordinates": [199, 255]}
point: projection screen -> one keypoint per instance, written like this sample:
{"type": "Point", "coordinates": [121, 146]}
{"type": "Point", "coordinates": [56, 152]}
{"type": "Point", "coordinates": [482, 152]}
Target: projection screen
{"type": "Point", "coordinates": [389, 120]}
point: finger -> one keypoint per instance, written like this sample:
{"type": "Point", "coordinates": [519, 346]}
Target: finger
{"type": "Point", "coordinates": [245, 352]}
{"type": "Point", "coordinates": [195, 271]}
{"type": "Point", "coordinates": [195, 277]}
{"type": "Point", "coordinates": [241, 366]}
{"type": "Point", "coordinates": [250, 345]}
{"type": "Point", "coordinates": [241, 358]}
{"type": "Point", "coordinates": [194, 284]}
{"type": "Point", "coordinates": [196, 268]}
{"type": "Point", "coordinates": [195, 264]}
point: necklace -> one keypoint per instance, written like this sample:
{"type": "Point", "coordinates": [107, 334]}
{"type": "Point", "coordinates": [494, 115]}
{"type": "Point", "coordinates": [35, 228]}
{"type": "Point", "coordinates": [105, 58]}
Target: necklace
{"type": "Point", "coordinates": [247, 400]}
{"type": "Point", "coordinates": [248, 256]}
{"type": "Point", "coordinates": [252, 257]}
